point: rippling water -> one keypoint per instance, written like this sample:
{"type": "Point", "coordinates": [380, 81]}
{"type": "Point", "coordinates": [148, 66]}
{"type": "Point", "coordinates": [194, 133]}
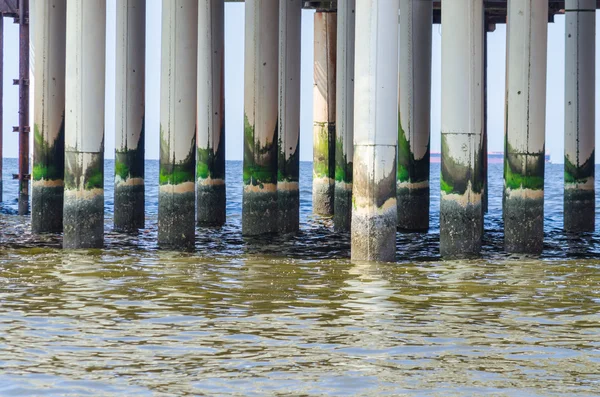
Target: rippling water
{"type": "Point", "coordinates": [293, 316]}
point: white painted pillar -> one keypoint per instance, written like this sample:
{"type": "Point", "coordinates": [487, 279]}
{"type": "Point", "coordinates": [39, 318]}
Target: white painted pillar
{"type": "Point", "coordinates": [580, 116]}
{"type": "Point", "coordinates": [47, 186]}
{"type": "Point", "coordinates": [210, 163]}
{"type": "Point", "coordinates": [324, 104]}
{"type": "Point", "coordinates": [288, 196]}
{"type": "Point", "coordinates": [344, 119]}
{"type": "Point", "coordinates": [414, 105]}
{"type": "Point", "coordinates": [179, 57]}
{"type": "Point", "coordinates": [461, 216]}
{"type": "Point", "coordinates": [259, 202]}
{"type": "Point", "coordinates": [83, 217]}
{"type": "Point", "coordinates": [375, 131]}
{"type": "Point", "coordinates": [130, 76]}
{"type": "Point", "coordinates": [525, 126]}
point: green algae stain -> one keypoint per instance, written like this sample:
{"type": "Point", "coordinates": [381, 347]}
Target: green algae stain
{"type": "Point", "coordinates": [121, 170]}
{"type": "Point", "coordinates": [522, 170]}
{"type": "Point", "coordinates": [93, 172]}
{"type": "Point", "coordinates": [343, 167]}
{"type": "Point", "coordinates": [129, 162]}
{"type": "Point", "coordinates": [172, 172]}
{"type": "Point", "coordinates": [579, 174]}
{"type": "Point", "coordinates": [446, 187]}
{"type": "Point", "coordinates": [211, 163]}
{"type": "Point", "coordinates": [324, 143]}
{"type": "Point", "coordinates": [455, 177]}
{"type": "Point", "coordinates": [260, 162]}
{"type": "Point", "coordinates": [408, 168]}
{"type": "Point", "coordinates": [49, 157]}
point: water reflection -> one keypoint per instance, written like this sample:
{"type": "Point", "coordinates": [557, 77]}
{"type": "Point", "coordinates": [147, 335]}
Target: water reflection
{"type": "Point", "coordinates": [113, 323]}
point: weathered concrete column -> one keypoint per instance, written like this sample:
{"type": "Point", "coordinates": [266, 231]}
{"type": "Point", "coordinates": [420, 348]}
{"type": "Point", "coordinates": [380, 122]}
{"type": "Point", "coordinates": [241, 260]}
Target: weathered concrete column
{"type": "Point", "coordinates": [1, 96]}
{"type": "Point", "coordinates": [24, 175]}
{"type": "Point", "coordinates": [324, 112]}
{"type": "Point", "coordinates": [374, 212]}
{"type": "Point", "coordinates": [525, 126]}
{"type": "Point", "coordinates": [288, 197]}
{"type": "Point", "coordinates": [259, 202]}
{"type": "Point", "coordinates": [47, 185]}
{"type": "Point", "coordinates": [130, 111]}
{"type": "Point", "coordinates": [83, 217]}
{"type": "Point", "coordinates": [461, 179]}
{"type": "Point", "coordinates": [414, 107]}
{"type": "Point", "coordinates": [484, 197]}
{"type": "Point", "coordinates": [344, 140]}
{"type": "Point", "coordinates": [580, 120]}
{"type": "Point", "coordinates": [210, 163]}
{"type": "Point", "coordinates": [177, 196]}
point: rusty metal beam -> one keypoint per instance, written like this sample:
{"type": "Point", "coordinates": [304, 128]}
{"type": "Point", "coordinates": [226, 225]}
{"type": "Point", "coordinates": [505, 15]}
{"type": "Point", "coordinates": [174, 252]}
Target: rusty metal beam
{"type": "Point", "coordinates": [9, 8]}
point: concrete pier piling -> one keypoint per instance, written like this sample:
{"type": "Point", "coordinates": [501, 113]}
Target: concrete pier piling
{"type": "Point", "coordinates": [525, 126]}
{"type": "Point", "coordinates": [288, 158]}
{"type": "Point", "coordinates": [23, 80]}
{"type": "Point", "coordinates": [1, 96]}
{"type": "Point", "coordinates": [83, 217]}
{"type": "Point", "coordinates": [210, 161]}
{"type": "Point", "coordinates": [324, 106]}
{"type": "Point", "coordinates": [344, 140]}
{"type": "Point", "coordinates": [414, 105]}
{"type": "Point", "coordinates": [177, 188]}
{"type": "Point", "coordinates": [130, 111]}
{"type": "Point", "coordinates": [47, 186]}
{"type": "Point", "coordinates": [374, 211]}
{"type": "Point", "coordinates": [580, 47]}
{"type": "Point", "coordinates": [260, 211]}
{"type": "Point", "coordinates": [461, 178]}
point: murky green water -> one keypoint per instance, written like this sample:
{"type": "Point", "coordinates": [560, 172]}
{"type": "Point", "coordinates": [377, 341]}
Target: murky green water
{"type": "Point", "coordinates": [115, 323]}
{"type": "Point", "coordinates": [292, 316]}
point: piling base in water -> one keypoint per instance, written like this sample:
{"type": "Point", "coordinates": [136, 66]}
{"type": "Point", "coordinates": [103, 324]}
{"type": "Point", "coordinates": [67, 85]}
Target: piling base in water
{"type": "Point", "coordinates": [176, 225]}
{"type": "Point", "coordinates": [524, 225]}
{"type": "Point", "coordinates": [323, 196]}
{"type": "Point", "coordinates": [579, 210]}
{"type": "Point", "coordinates": [211, 202]}
{"type": "Point", "coordinates": [83, 220]}
{"type": "Point", "coordinates": [342, 215]}
{"type": "Point", "coordinates": [259, 211]}
{"type": "Point", "coordinates": [46, 208]}
{"type": "Point", "coordinates": [413, 209]}
{"type": "Point", "coordinates": [374, 236]}
{"type": "Point", "coordinates": [288, 201]}
{"type": "Point", "coordinates": [129, 208]}
{"type": "Point", "coordinates": [460, 229]}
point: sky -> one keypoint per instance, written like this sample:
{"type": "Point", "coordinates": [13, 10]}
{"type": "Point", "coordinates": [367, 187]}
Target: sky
{"type": "Point", "coordinates": [234, 78]}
